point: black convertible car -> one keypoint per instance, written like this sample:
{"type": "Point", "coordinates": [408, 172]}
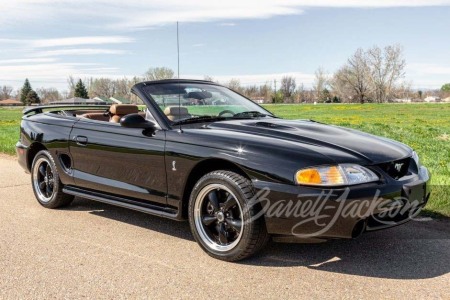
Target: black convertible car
{"type": "Point", "coordinates": [199, 151]}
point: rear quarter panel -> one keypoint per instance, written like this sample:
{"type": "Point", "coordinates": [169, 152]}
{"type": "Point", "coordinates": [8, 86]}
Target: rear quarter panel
{"type": "Point", "coordinates": [51, 131]}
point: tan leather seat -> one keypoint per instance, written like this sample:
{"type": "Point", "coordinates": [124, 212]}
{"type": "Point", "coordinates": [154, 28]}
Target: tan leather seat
{"type": "Point", "coordinates": [176, 112]}
{"type": "Point", "coordinates": [117, 111]}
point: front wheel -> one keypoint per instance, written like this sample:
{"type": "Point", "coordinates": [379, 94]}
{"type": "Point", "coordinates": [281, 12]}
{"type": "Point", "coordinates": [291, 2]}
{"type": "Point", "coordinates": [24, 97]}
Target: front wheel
{"type": "Point", "coordinates": [223, 220]}
{"type": "Point", "coordinates": [47, 186]}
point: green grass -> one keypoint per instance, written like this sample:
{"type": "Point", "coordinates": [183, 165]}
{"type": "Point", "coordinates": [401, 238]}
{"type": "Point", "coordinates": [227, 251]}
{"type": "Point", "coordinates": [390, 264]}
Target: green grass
{"type": "Point", "coordinates": [424, 127]}
{"type": "Point", "coordinates": [9, 129]}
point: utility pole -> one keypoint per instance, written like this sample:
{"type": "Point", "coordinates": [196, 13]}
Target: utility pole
{"type": "Point", "coordinates": [275, 83]}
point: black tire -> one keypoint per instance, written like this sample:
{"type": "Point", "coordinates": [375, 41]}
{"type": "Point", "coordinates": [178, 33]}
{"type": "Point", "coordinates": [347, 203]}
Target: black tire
{"type": "Point", "coordinates": [47, 186]}
{"type": "Point", "coordinates": [222, 237]}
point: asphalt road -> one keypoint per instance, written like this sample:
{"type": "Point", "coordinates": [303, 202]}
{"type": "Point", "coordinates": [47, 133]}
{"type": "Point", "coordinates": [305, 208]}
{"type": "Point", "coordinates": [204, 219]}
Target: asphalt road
{"type": "Point", "coordinates": [94, 250]}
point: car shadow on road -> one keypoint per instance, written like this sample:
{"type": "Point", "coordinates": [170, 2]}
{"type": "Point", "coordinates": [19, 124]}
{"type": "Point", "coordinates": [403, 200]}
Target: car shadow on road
{"type": "Point", "coordinates": [166, 226]}
{"type": "Point", "coordinates": [416, 250]}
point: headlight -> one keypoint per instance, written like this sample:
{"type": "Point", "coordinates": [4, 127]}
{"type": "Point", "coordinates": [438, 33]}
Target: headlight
{"type": "Point", "coordinates": [416, 158]}
{"type": "Point", "coordinates": [343, 174]}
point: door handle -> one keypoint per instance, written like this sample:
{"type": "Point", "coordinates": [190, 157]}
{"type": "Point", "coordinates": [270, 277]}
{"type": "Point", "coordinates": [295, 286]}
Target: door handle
{"type": "Point", "coordinates": [81, 140]}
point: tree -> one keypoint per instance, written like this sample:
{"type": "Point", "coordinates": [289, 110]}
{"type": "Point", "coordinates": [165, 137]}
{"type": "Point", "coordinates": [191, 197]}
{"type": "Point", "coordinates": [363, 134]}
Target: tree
{"type": "Point", "coordinates": [386, 67]}
{"type": "Point", "coordinates": [80, 90]}
{"type": "Point", "coordinates": [354, 76]}
{"type": "Point", "coordinates": [24, 91]}
{"type": "Point", "coordinates": [103, 87]}
{"type": "Point", "coordinates": [6, 92]}
{"type": "Point", "coordinates": [159, 73]}
{"type": "Point", "coordinates": [235, 85]}
{"type": "Point", "coordinates": [326, 96]}
{"type": "Point", "coordinates": [420, 94]}
{"type": "Point", "coordinates": [32, 97]}
{"type": "Point", "coordinates": [277, 97]}
{"type": "Point", "coordinates": [48, 94]}
{"type": "Point", "coordinates": [288, 86]}
{"type": "Point", "coordinates": [445, 88]}
{"type": "Point", "coordinates": [321, 82]}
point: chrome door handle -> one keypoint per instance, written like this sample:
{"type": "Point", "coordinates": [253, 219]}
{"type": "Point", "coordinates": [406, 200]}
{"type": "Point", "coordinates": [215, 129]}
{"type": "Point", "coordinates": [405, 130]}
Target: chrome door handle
{"type": "Point", "coordinates": [81, 140]}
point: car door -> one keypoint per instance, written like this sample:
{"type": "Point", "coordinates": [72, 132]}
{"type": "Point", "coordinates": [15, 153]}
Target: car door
{"type": "Point", "coordinates": [117, 160]}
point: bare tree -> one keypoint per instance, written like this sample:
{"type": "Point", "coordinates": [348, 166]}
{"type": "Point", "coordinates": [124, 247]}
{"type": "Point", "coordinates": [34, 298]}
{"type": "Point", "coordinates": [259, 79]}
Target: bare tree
{"type": "Point", "coordinates": [235, 85]}
{"type": "Point", "coordinates": [265, 92]}
{"type": "Point", "coordinates": [122, 88]}
{"type": "Point", "coordinates": [208, 78]}
{"type": "Point", "coordinates": [48, 94]}
{"type": "Point", "coordinates": [321, 82]}
{"type": "Point", "coordinates": [288, 86]}
{"type": "Point", "coordinates": [6, 92]}
{"type": "Point", "coordinates": [386, 68]}
{"type": "Point", "coordinates": [159, 73]}
{"type": "Point", "coordinates": [71, 82]}
{"type": "Point", "coordinates": [353, 76]}
{"type": "Point", "coordinates": [103, 87]}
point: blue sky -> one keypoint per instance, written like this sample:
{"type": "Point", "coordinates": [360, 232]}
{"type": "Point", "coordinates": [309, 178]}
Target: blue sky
{"type": "Point", "coordinates": [254, 41]}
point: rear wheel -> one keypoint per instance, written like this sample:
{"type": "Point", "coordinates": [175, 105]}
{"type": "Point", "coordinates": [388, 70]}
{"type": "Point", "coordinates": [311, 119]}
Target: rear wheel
{"type": "Point", "coordinates": [222, 217]}
{"type": "Point", "coordinates": [47, 186]}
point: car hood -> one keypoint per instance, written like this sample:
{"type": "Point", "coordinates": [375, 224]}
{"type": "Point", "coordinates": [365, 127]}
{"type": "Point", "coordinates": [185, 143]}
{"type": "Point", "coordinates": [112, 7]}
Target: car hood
{"type": "Point", "coordinates": [338, 143]}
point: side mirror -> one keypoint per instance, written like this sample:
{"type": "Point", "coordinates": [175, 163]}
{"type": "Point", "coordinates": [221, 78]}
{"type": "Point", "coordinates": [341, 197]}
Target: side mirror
{"type": "Point", "coordinates": [137, 121]}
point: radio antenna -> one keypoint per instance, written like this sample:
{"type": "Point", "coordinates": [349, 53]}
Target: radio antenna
{"type": "Point", "coordinates": [178, 71]}
{"type": "Point", "coordinates": [178, 52]}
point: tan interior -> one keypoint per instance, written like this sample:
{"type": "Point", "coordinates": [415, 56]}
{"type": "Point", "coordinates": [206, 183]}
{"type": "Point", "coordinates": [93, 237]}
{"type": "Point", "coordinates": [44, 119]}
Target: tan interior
{"type": "Point", "coordinates": [119, 110]}
{"type": "Point", "coordinates": [176, 112]}
{"type": "Point", "coordinates": [96, 116]}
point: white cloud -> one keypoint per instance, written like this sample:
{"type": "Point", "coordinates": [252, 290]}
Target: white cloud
{"type": "Point", "coordinates": [81, 40]}
{"type": "Point", "coordinates": [81, 51]}
{"type": "Point", "coordinates": [26, 60]}
{"type": "Point", "coordinates": [428, 69]}
{"type": "Point", "coordinates": [69, 41]}
{"type": "Point", "coordinates": [229, 24]}
{"type": "Point", "coordinates": [135, 14]}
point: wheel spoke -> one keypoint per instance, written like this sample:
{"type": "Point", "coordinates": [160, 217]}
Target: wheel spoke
{"type": "Point", "coordinates": [212, 197]}
{"type": "Point", "coordinates": [208, 220]}
{"type": "Point", "coordinates": [48, 170]}
{"type": "Point", "coordinates": [223, 239]}
{"type": "Point", "coordinates": [229, 203]}
{"type": "Point", "coordinates": [42, 185]}
{"type": "Point", "coordinates": [236, 224]}
{"type": "Point", "coordinates": [42, 170]}
{"type": "Point", "coordinates": [48, 190]}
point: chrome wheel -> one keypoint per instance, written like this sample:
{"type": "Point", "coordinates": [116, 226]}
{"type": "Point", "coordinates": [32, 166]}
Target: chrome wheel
{"type": "Point", "coordinates": [218, 217]}
{"type": "Point", "coordinates": [43, 179]}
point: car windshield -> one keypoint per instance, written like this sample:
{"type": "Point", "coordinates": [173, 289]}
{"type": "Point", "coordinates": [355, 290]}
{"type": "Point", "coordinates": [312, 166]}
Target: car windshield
{"type": "Point", "coordinates": [202, 102]}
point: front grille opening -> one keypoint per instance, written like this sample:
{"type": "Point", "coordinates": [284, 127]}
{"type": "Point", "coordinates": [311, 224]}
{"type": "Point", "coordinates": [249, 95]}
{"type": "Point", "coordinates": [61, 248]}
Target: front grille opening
{"type": "Point", "coordinates": [396, 169]}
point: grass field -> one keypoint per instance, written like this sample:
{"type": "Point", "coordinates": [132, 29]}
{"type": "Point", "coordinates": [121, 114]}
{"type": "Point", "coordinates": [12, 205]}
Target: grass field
{"type": "Point", "coordinates": [424, 127]}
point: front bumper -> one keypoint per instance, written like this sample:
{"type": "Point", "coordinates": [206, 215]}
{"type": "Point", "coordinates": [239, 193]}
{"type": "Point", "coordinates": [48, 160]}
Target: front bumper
{"type": "Point", "coordinates": [311, 212]}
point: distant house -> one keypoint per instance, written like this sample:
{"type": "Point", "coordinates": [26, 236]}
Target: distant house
{"type": "Point", "coordinates": [402, 100]}
{"type": "Point", "coordinates": [77, 100]}
{"type": "Point", "coordinates": [10, 102]}
{"type": "Point", "coordinates": [258, 100]}
{"type": "Point", "coordinates": [432, 99]}
{"type": "Point", "coordinates": [106, 100]}
{"type": "Point", "coordinates": [446, 99]}
{"type": "Point", "coordinates": [120, 100]}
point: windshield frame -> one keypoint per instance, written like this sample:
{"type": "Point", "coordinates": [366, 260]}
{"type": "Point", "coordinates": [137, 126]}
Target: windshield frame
{"type": "Point", "coordinates": [140, 90]}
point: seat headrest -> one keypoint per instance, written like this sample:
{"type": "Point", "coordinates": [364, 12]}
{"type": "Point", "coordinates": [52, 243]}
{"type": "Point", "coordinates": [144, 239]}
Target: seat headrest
{"type": "Point", "coordinates": [175, 111]}
{"type": "Point", "coordinates": [123, 109]}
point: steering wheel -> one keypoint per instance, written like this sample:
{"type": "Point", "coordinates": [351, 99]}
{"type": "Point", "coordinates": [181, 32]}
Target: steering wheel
{"type": "Point", "coordinates": [226, 112]}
